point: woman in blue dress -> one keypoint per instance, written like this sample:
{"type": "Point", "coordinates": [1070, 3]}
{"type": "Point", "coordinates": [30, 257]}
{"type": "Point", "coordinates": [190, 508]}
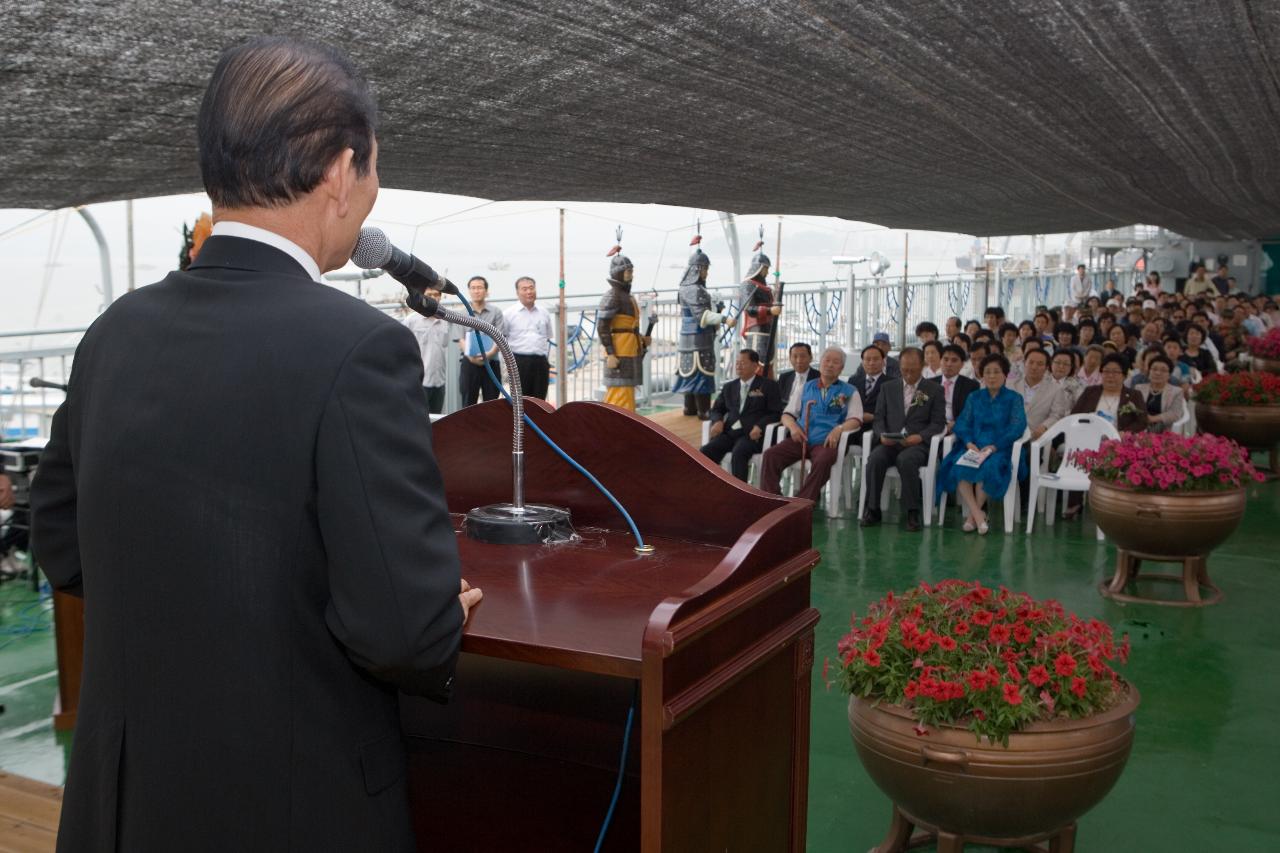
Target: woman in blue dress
{"type": "Point", "coordinates": [992, 418]}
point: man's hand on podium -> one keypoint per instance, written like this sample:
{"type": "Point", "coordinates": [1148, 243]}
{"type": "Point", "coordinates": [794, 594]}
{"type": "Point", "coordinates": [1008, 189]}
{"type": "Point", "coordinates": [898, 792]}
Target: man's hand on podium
{"type": "Point", "coordinates": [6, 492]}
{"type": "Point", "coordinates": [469, 598]}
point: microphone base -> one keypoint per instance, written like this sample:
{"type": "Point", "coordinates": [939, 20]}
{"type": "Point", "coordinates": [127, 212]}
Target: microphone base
{"type": "Point", "coordinates": [503, 524]}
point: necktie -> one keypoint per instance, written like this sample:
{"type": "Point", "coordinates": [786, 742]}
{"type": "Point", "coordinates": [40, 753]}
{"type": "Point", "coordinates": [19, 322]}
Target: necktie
{"type": "Point", "coordinates": [742, 401]}
{"type": "Point", "coordinates": [871, 384]}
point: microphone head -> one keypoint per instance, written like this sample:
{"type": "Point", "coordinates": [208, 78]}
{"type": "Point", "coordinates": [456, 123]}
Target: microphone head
{"type": "Point", "coordinates": [373, 249]}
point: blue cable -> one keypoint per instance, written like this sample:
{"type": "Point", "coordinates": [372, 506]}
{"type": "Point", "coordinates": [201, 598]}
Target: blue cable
{"type": "Point", "coordinates": [622, 767]}
{"type": "Point", "coordinates": [626, 516]}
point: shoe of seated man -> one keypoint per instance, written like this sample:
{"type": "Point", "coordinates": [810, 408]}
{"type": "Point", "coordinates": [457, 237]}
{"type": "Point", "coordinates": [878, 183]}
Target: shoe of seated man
{"type": "Point", "coordinates": [913, 521]}
{"type": "Point", "coordinates": [871, 518]}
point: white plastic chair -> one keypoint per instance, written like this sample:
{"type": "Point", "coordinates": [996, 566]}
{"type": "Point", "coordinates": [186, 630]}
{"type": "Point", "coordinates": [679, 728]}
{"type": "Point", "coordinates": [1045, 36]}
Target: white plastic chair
{"type": "Point", "coordinates": [1182, 424]}
{"type": "Point", "coordinates": [1009, 500]}
{"type": "Point", "coordinates": [1080, 432]}
{"type": "Point", "coordinates": [756, 464]}
{"type": "Point", "coordinates": [928, 476]}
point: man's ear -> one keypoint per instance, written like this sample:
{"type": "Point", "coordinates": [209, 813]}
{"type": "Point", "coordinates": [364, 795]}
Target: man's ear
{"type": "Point", "coordinates": [339, 179]}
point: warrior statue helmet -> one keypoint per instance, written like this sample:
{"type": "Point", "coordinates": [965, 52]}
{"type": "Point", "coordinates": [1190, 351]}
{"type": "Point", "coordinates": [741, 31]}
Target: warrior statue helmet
{"type": "Point", "coordinates": [619, 263]}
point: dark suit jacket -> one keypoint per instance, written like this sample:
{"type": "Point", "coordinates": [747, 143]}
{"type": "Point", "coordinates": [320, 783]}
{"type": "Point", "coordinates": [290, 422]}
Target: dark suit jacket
{"type": "Point", "coordinates": [859, 380]}
{"type": "Point", "coordinates": [1088, 404]}
{"type": "Point", "coordinates": [963, 388]}
{"type": "Point", "coordinates": [925, 418]}
{"type": "Point", "coordinates": [787, 382]}
{"type": "Point", "coordinates": [764, 405]}
{"type": "Point", "coordinates": [241, 486]}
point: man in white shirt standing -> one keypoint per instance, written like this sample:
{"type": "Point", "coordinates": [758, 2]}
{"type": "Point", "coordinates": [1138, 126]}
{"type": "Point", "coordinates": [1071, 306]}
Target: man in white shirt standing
{"type": "Point", "coordinates": [529, 333]}
{"type": "Point", "coordinates": [1081, 287]}
{"type": "Point", "coordinates": [433, 342]}
{"type": "Point", "coordinates": [477, 348]}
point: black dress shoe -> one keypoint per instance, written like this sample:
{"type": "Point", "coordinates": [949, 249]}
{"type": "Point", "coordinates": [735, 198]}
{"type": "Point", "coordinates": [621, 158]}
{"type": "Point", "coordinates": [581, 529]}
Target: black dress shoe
{"type": "Point", "coordinates": [913, 521]}
{"type": "Point", "coordinates": [871, 518]}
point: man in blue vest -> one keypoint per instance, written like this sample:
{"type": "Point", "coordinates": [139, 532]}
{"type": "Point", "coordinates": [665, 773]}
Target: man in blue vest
{"type": "Point", "coordinates": [817, 414]}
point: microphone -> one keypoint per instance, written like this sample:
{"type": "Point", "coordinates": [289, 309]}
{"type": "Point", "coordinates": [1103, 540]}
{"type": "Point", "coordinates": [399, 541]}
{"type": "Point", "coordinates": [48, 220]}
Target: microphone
{"type": "Point", "coordinates": [37, 382]}
{"type": "Point", "coordinates": [374, 250]}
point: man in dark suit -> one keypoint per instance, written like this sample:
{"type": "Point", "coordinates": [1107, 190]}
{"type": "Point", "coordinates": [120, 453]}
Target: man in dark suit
{"type": "Point", "coordinates": [241, 486]}
{"type": "Point", "coordinates": [801, 358]}
{"type": "Point", "coordinates": [743, 411]}
{"type": "Point", "coordinates": [955, 386]}
{"type": "Point", "coordinates": [868, 378]}
{"type": "Point", "coordinates": [909, 412]}
{"type": "Point", "coordinates": [890, 367]}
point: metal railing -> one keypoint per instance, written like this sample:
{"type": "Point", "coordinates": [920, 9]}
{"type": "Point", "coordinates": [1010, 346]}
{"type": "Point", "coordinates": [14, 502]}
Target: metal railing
{"type": "Point", "coordinates": [816, 312]}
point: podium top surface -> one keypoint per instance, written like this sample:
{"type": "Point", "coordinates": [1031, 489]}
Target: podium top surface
{"type": "Point", "coordinates": [587, 605]}
{"type": "Point", "coordinates": [578, 605]}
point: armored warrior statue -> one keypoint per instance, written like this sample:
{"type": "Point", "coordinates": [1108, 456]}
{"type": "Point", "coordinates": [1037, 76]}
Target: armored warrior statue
{"type": "Point", "coordinates": [618, 321]}
{"type": "Point", "coordinates": [696, 373]}
{"type": "Point", "coordinates": [759, 308]}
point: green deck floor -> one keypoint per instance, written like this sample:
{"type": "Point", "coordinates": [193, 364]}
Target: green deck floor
{"type": "Point", "coordinates": [1201, 774]}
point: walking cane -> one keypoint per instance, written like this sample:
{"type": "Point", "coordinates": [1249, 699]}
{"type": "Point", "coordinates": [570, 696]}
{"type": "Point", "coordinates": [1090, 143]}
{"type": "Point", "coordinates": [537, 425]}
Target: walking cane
{"type": "Point", "coordinates": [804, 445]}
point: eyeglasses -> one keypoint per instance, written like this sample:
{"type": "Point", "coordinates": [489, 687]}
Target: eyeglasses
{"type": "Point", "coordinates": [1113, 371]}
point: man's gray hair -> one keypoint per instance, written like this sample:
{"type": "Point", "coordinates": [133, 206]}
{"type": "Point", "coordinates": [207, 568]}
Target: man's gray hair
{"type": "Point", "coordinates": [843, 355]}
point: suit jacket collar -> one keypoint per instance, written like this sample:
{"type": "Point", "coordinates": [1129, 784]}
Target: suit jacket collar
{"type": "Point", "coordinates": [236, 253]}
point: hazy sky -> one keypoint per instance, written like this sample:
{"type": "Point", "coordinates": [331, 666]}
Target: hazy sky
{"type": "Point", "coordinates": [51, 272]}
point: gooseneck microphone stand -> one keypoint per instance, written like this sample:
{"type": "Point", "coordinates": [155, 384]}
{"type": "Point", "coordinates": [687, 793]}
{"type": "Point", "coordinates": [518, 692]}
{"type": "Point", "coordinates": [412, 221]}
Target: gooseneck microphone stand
{"type": "Point", "coordinates": [516, 522]}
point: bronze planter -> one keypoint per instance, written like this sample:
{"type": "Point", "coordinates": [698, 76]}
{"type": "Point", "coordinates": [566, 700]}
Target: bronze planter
{"type": "Point", "coordinates": [1252, 426]}
{"type": "Point", "coordinates": [1049, 775]}
{"type": "Point", "coordinates": [1166, 524]}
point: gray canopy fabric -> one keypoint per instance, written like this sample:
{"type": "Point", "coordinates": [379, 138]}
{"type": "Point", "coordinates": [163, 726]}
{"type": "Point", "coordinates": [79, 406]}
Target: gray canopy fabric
{"type": "Point", "coordinates": [979, 116]}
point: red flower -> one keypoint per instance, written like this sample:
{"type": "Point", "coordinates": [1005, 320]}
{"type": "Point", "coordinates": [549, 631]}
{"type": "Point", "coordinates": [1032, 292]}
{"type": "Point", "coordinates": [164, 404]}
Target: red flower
{"type": "Point", "coordinates": [1022, 633]}
{"type": "Point", "coordinates": [1064, 664]}
{"type": "Point", "coordinates": [910, 690]}
{"type": "Point", "coordinates": [1012, 694]}
{"type": "Point", "coordinates": [1079, 686]}
{"type": "Point", "coordinates": [1038, 675]}
{"type": "Point", "coordinates": [946, 644]}
{"type": "Point", "coordinates": [873, 658]}
{"type": "Point", "coordinates": [962, 628]}
{"type": "Point", "coordinates": [983, 617]}
{"type": "Point", "coordinates": [977, 680]}
{"type": "Point", "coordinates": [1014, 675]}
{"type": "Point", "coordinates": [999, 634]}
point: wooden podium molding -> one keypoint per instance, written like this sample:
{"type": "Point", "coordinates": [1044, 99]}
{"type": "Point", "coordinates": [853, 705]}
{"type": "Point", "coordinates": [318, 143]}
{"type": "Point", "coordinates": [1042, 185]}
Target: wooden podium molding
{"type": "Point", "coordinates": [713, 632]}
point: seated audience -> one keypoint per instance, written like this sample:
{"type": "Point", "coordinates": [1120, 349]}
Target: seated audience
{"type": "Point", "coordinates": [1064, 370]}
{"type": "Point", "coordinates": [1111, 400]}
{"type": "Point", "coordinates": [992, 420]}
{"type": "Point", "coordinates": [1043, 400]}
{"type": "Point", "coordinates": [745, 407]}
{"type": "Point", "coordinates": [801, 357]}
{"type": "Point", "coordinates": [868, 378]}
{"type": "Point", "coordinates": [1164, 404]}
{"type": "Point", "coordinates": [926, 332]}
{"type": "Point", "coordinates": [932, 359]}
{"type": "Point", "coordinates": [909, 413]}
{"type": "Point", "coordinates": [955, 386]}
{"type": "Point", "coordinates": [816, 416]}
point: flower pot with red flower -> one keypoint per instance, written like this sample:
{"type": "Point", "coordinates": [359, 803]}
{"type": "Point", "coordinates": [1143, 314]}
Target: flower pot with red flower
{"type": "Point", "coordinates": [1244, 407]}
{"type": "Point", "coordinates": [1264, 352]}
{"type": "Point", "coordinates": [985, 715]}
{"type": "Point", "coordinates": [1165, 497]}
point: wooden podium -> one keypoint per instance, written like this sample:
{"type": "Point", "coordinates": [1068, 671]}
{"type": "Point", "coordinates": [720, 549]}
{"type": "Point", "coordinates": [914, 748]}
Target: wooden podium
{"type": "Point", "coordinates": [712, 634]}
